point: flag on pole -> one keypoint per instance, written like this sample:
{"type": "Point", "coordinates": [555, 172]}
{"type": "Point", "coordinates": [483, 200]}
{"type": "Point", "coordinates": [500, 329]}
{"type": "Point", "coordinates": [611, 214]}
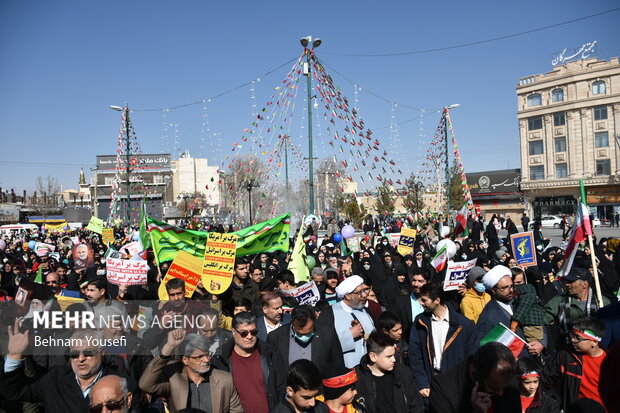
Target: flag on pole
{"type": "Point", "coordinates": [144, 235]}
{"type": "Point", "coordinates": [461, 221]}
{"type": "Point", "coordinates": [502, 334]}
{"type": "Point", "coordinates": [344, 251]}
{"type": "Point", "coordinates": [440, 259]}
{"type": "Point", "coordinates": [298, 265]}
{"type": "Point", "coordinates": [579, 233]}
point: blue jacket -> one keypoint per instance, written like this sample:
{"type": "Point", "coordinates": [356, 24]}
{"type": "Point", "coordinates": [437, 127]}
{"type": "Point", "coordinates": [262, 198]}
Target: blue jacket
{"type": "Point", "coordinates": [460, 343]}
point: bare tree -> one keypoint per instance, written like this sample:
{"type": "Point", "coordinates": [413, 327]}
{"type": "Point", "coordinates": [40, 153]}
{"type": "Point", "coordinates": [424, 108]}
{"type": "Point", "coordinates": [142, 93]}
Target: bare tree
{"type": "Point", "coordinates": [48, 191]}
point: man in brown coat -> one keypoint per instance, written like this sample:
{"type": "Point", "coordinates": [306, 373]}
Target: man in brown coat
{"type": "Point", "coordinates": [190, 382]}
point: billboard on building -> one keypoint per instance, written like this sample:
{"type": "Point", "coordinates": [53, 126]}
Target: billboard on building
{"type": "Point", "coordinates": [506, 181]}
{"type": "Point", "coordinates": [145, 162]}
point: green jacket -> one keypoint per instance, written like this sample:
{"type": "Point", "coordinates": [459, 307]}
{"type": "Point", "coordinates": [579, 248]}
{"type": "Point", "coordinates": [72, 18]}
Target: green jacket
{"type": "Point", "coordinates": [555, 308]}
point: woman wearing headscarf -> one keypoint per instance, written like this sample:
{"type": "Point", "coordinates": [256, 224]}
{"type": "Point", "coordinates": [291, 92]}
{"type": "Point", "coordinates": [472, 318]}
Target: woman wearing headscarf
{"type": "Point", "coordinates": [492, 236]}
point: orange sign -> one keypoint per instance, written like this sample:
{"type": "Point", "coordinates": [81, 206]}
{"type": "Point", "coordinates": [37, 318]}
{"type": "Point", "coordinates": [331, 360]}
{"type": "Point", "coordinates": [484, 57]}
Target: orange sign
{"type": "Point", "coordinates": [186, 267]}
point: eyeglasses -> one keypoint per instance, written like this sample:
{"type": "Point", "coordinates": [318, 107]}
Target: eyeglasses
{"type": "Point", "coordinates": [365, 291]}
{"type": "Point", "coordinates": [111, 405]}
{"type": "Point", "coordinates": [51, 282]}
{"type": "Point", "coordinates": [507, 287]}
{"type": "Point", "coordinates": [205, 355]}
{"type": "Point", "coordinates": [245, 333]}
{"type": "Point", "coordinates": [87, 353]}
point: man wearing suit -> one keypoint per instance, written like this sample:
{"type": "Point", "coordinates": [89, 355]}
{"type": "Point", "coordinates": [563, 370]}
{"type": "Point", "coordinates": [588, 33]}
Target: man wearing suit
{"type": "Point", "coordinates": [408, 307]}
{"type": "Point", "coordinates": [303, 339]}
{"type": "Point", "coordinates": [191, 382]}
{"type": "Point", "coordinates": [273, 315]}
{"type": "Point", "coordinates": [498, 281]}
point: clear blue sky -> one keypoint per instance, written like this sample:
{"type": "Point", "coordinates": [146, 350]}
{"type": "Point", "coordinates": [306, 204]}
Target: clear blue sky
{"type": "Point", "coordinates": [64, 62]}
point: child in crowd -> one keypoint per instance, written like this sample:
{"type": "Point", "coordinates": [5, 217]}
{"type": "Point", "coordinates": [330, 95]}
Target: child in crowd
{"type": "Point", "coordinates": [339, 389]}
{"type": "Point", "coordinates": [575, 374]}
{"type": "Point", "coordinates": [533, 399]}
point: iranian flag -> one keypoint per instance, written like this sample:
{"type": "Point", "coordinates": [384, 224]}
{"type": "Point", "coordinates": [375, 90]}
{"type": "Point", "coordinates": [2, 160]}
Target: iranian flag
{"type": "Point", "coordinates": [579, 233]}
{"type": "Point", "coordinates": [502, 334]}
{"type": "Point", "coordinates": [461, 220]}
{"type": "Point", "coordinates": [440, 259]}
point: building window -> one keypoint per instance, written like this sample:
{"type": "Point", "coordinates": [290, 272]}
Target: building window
{"type": "Point", "coordinates": [600, 112]}
{"type": "Point", "coordinates": [598, 87]}
{"type": "Point", "coordinates": [535, 99]}
{"type": "Point", "coordinates": [109, 180]}
{"type": "Point", "coordinates": [536, 148]}
{"type": "Point", "coordinates": [561, 170]}
{"type": "Point", "coordinates": [601, 139]}
{"type": "Point", "coordinates": [534, 123]}
{"type": "Point", "coordinates": [559, 119]}
{"type": "Point", "coordinates": [557, 95]}
{"type": "Point", "coordinates": [560, 144]}
{"type": "Point", "coordinates": [603, 167]}
{"type": "Point", "coordinates": [537, 172]}
{"type": "Point", "coordinates": [158, 179]}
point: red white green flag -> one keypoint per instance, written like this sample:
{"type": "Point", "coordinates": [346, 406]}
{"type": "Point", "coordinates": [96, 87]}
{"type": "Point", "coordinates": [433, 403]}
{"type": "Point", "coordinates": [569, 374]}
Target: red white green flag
{"type": "Point", "coordinates": [502, 334]}
{"type": "Point", "coordinates": [461, 221]}
{"type": "Point", "coordinates": [440, 259]}
{"type": "Point", "coordinates": [579, 233]}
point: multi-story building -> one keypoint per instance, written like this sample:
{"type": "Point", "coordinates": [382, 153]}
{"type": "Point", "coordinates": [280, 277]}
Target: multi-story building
{"type": "Point", "coordinates": [194, 179]}
{"type": "Point", "coordinates": [151, 173]}
{"type": "Point", "coordinates": [568, 128]}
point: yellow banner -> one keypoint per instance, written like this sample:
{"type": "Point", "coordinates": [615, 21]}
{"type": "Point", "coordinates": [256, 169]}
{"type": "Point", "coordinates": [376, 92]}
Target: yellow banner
{"type": "Point", "coordinates": [56, 228]}
{"type": "Point", "coordinates": [95, 225]}
{"type": "Point", "coordinates": [406, 241]}
{"type": "Point", "coordinates": [107, 236]}
{"type": "Point", "coordinates": [65, 302]}
{"type": "Point", "coordinates": [219, 263]}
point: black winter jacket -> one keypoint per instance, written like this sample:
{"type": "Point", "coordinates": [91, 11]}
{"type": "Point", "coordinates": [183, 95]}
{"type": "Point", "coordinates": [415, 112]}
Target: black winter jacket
{"type": "Point", "coordinates": [406, 396]}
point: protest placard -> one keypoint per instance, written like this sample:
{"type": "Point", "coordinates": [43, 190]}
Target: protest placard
{"type": "Point", "coordinates": [406, 241]}
{"type": "Point", "coordinates": [42, 249]}
{"type": "Point", "coordinates": [219, 262]}
{"type": "Point", "coordinates": [82, 256]}
{"type": "Point", "coordinates": [95, 225]}
{"type": "Point", "coordinates": [523, 248]}
{"type": "Point", "coordinates": [186, 267]}
{"type": "Point", "coordinates": [126, 272]}
{"type": "Point", "coordinates": [457, 273]}
{"type": "Point", "coordinates": [107, 236]}
{"type": "Point", "coordinates": [132, 248]}
{"type": "Point", "coordinates": [307, 293]}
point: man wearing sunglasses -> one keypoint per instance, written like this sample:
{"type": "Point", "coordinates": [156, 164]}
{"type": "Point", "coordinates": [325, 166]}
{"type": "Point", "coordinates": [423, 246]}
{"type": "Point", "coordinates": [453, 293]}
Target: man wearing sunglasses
{"type": "Point", "coordinates": [191, 382]}
{"type": "Point", "coordinates": [110, 394]}
{"type": "Point", "coordinates": [63, 389]}
{"type": "Point", "coordinates": [259, 373]}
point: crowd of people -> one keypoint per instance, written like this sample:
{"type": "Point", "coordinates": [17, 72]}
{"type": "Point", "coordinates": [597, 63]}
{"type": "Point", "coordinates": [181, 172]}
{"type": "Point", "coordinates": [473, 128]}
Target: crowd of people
{"type": "Point", "coordinates": [383, 336]}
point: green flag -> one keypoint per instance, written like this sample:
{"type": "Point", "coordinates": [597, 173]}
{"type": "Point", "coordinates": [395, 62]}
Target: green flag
{"type": "Point", "coordinates": [344, 251]}
{"type": "Point", "coordinates": [266, 236]}
{"type": "Point", "coordinates": [298, 265]}
{"type": "Point", "coordinates": [39, 276]}
{"type": "Point", "coordinates": [144, 234]}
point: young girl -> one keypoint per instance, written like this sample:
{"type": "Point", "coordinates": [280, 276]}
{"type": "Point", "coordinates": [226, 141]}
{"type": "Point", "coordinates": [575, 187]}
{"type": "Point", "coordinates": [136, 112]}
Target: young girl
{"type": "Point", "coordinates": [533, 399]}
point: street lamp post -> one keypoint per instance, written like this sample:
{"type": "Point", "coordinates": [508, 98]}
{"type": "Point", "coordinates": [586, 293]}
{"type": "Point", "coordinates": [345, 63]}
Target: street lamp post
{"type": "Point", "coordinates": [305, 41]}
{"type": "Point", "coordinates": [251, 184]}
{"type": "Point", "coordinates": [445, 129]}
{"type": "Point", "coordinates": [127, 160]}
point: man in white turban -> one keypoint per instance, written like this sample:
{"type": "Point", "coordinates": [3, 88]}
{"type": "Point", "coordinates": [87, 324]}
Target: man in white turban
{"type": "Point", "coordinates": [351, 320]}
{"type": "Point", "coordinates": [498, 281]}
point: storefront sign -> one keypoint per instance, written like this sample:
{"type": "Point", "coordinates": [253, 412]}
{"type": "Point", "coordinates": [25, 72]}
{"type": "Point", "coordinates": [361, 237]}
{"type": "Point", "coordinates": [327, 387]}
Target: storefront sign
{"type": "Point", "coordinates": [494, 182]}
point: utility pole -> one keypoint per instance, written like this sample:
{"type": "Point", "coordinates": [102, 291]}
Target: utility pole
{"type": "Point", "coordinates": [305, 42]}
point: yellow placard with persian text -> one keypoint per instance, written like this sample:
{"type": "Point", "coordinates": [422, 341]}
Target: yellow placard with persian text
{"type": "Point", "coordinates": [186, 267]}
{"type": "Point", "coordinates": [219, 263]}
{"type": "Point", "coordinates": [406, 241]}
